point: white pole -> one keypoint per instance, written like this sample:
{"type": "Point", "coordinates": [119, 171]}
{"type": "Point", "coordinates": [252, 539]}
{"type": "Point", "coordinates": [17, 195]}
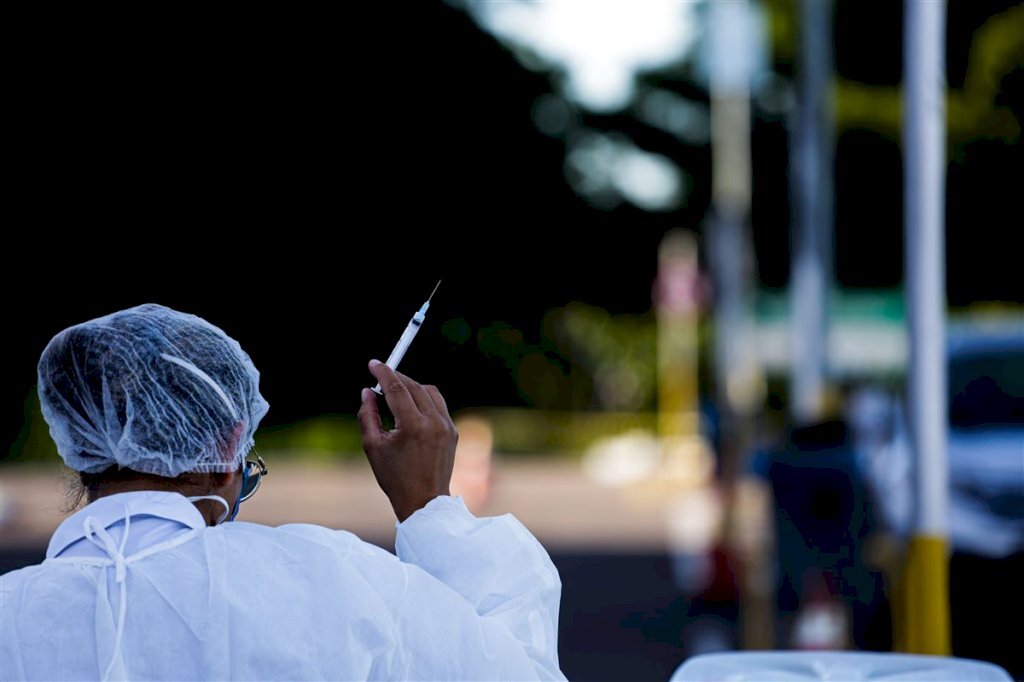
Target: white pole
{"type": "Point", "coordinates": [924, 162]}
{"type": "Point", "coordinates": [811, 273]}
{"type": "Point", "coordinates": [737, 374]}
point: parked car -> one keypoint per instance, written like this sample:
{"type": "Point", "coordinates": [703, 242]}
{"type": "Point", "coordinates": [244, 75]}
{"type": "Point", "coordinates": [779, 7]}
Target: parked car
{"type": "Point", "coordinates": [985, 450]}
{"type": "Point", "coordinates": [986, 444]}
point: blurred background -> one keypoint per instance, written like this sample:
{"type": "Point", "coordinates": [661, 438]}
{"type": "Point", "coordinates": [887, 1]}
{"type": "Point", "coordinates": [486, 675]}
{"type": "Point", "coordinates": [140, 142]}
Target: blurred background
{"type": "Point", "coordinates": [672, 325]}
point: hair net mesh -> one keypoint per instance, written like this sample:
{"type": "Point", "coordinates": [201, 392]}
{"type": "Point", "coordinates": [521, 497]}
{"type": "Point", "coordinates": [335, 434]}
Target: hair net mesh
{"type": "Point", "coordinates": [150, 389]}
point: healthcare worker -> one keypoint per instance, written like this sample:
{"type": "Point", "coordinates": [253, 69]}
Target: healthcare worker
{"type": "Point", "coordinates": [156, 410]}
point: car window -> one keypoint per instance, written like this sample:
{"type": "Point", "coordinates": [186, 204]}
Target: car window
{"type": "Point", "coordinates": [986, 389]}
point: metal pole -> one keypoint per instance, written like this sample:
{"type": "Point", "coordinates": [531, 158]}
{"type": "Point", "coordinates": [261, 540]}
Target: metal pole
{"type": "Point", "coordinates": [739, 383]}
{"type": "Point", "coordinates": [924, 162]}
{"type": "Point", "coordinates": [811, 277]}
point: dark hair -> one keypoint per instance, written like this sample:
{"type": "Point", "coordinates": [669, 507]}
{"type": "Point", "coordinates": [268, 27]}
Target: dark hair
{"type": "Point", "coordinates": [81, 487]}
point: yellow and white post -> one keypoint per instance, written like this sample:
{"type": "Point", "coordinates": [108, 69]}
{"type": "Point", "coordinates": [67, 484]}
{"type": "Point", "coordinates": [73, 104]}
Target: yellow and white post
{"type": "Point", "coordinates": [676, 302]}
{"type": "Point", "coordinates": [926, 577]}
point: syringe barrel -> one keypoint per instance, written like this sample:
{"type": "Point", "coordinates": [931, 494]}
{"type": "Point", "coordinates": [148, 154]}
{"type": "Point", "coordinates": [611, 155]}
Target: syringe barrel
{"type": "Point", "coordinates": [403, 345]}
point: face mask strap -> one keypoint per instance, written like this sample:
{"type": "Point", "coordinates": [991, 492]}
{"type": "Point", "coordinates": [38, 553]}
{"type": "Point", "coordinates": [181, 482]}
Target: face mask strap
{"type": "Point", "coordinates": [218, 498]}
{"type": "Point", "coordinates": [241, 491]}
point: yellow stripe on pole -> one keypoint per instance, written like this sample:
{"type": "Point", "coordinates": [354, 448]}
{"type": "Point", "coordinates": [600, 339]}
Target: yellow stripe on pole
{"type": "Point", "coordinates": [926, 594]}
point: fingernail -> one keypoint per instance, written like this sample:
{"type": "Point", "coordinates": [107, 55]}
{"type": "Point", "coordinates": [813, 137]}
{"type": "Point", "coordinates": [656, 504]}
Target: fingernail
{"type": "Point", "coordinates": [374, 363]}
{"type": "Point", "coordinates": [365, 394]}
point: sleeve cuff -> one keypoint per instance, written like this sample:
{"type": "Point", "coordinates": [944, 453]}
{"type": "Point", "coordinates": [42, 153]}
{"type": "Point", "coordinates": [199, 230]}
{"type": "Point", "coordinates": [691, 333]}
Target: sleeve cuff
{"type": "Point", "coordinates": [442, 505]}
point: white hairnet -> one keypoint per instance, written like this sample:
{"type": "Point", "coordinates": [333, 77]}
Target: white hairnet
{"type": "Point", "coordinates": [150, 389]}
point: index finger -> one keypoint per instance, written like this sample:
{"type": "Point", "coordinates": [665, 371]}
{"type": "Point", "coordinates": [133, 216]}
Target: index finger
{"type": "Point", "coordinates": [399, 399]}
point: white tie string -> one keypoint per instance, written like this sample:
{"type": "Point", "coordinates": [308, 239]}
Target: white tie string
{"type": "Point", "coordinates": [100, 537]}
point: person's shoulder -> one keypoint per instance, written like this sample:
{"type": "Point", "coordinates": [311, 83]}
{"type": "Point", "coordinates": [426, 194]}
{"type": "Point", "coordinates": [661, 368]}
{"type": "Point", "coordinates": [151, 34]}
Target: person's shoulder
{"type": "Point", "coordinates": [322, 555]}
{"type": "Point", "coordinates": [12, 581]}
{"type": "Point", "coordinates": [297, 536]}
{"type": "Point", "coordinates": [9, 579]}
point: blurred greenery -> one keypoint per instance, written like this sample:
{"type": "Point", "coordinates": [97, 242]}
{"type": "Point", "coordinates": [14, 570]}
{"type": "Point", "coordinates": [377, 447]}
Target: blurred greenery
{"type": "Point", "coordinates": [584, 358]}
{"type": "Point", "coordinates": [585, 374]}
{"type": "Point", "coordinates": [524, 432]}
{"type": "Point", "coordinates": [974, 111]}
{"type": "Point", "coordinates": [614, 355]}
{"type": "Point", "coordinates": [326, 437]}
{"type": "Point", "coordinates": [517, 431]}
{"type": "Point", "coordinates": [33, 443]}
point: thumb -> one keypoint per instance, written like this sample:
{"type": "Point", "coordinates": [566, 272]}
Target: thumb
{"type": "Point", "coordinates": [369, 419]}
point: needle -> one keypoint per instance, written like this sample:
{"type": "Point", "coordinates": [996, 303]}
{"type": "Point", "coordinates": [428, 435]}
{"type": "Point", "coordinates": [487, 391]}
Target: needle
{"type": "Point", "coordinates": [407, 336]}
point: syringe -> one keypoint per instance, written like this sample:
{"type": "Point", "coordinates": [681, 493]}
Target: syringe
{"type": "Point", "coordinates": [407, 336]}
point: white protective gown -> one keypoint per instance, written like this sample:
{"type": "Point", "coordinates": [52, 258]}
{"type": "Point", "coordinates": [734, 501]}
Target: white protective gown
{"type": "Point", "coordinates": [466, 598]}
